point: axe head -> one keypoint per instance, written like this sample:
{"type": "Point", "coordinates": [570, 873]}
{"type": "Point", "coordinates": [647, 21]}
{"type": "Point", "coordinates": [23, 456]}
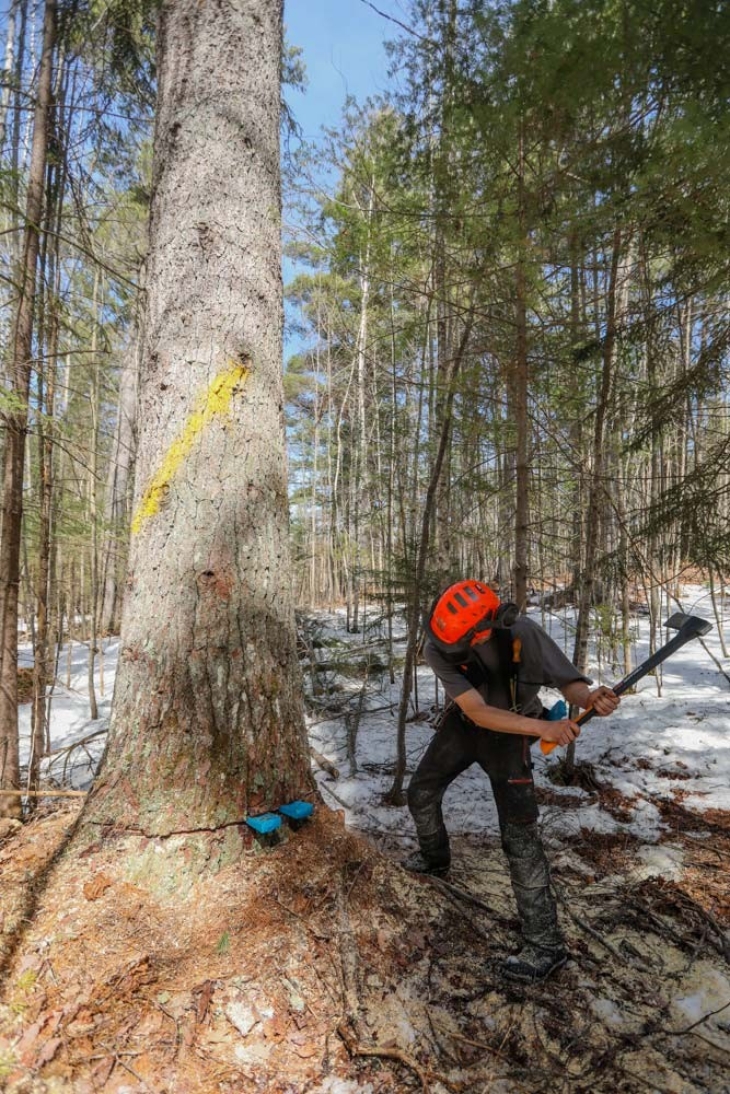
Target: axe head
{"type": "Point", "coordinates": [689, 626]}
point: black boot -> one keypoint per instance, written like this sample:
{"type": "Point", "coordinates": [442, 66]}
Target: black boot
{"type": "Point", "coordinates": [544, 950]}
{"type": "Point", "coordinates": [533, 963]}
{"type": "Point", "coordinates": [419, 863]}
{"type": "Point", "coordinates": [434, 854]}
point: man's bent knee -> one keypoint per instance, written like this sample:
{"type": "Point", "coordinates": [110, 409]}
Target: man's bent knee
{"type": "Point", "coordinates": [422, 799]}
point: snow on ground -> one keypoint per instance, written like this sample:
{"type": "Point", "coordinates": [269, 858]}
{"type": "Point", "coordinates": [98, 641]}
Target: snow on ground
{"type": "Point", "coordinates": [655, 744]}
{"type": "Point", "coordinates": [70, 719]}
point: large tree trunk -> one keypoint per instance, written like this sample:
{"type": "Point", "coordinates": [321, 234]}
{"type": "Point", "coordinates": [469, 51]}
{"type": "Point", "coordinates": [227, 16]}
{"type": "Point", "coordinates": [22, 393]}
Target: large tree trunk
{"type": "Point", "coordinates": [208, 724]}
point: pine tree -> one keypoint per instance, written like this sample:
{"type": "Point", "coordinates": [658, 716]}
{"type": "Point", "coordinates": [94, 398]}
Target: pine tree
{"type": "Point", "coordinates": [207, 722]}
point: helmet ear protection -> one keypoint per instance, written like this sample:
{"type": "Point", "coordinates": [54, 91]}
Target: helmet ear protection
{"type": "Point", "coordinates": [463, 614]}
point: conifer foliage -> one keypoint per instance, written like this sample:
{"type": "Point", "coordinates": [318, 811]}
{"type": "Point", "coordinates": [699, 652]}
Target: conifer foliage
{"type": "Point", "coordinates": [513, 331]}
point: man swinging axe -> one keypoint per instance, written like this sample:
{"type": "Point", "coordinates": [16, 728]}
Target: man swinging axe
{"type": "Point", "coordinates": [492, 663]}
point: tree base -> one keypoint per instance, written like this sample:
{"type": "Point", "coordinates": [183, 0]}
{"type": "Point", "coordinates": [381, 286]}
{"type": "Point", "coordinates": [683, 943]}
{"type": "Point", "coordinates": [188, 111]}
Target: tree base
{"type": "Point", "coordinates": [395, 797]}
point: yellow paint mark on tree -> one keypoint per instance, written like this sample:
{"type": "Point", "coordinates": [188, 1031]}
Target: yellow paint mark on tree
{"type": "Point", "coordinates": [213, 404]}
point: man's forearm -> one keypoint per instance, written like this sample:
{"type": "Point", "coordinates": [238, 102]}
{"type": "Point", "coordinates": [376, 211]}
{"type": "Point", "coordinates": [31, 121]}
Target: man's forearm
{"type": "Point", "coordinates": [501, 721]}
{"type": "Point", "coordinates": [578, 692]}
{"type": "Point", "coordinates": [603, 700]}
{"type": "Point", "coordinates": [505, 721]}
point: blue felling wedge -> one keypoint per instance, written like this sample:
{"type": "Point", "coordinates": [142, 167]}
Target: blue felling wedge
{"type": "Point", "coordinates": [297, 810]}
{"type": "Point", "coordinates": [557, 712]}
{"type": "Point", "coordinates": [267, 822]}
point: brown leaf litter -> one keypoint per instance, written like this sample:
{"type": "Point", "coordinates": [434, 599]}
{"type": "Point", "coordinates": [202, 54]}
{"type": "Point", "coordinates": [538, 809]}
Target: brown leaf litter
{"type": "Point", "coordinates": [319, 966]}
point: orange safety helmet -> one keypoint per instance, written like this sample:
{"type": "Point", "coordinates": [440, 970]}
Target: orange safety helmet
{"type": "Point", "coordinates": [465, 614]}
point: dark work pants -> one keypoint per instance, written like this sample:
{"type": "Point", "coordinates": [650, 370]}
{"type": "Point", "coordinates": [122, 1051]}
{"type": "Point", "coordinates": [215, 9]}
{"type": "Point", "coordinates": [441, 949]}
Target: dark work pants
{"type": "Point", "coordinates": [505, 758]}
{"type": "Point", "coordinates": [456, 745]}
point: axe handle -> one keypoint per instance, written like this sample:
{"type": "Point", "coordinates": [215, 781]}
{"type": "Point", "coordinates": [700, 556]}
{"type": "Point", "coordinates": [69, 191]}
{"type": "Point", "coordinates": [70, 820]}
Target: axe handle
{"type": "Point", "coordinates": [641, 670]}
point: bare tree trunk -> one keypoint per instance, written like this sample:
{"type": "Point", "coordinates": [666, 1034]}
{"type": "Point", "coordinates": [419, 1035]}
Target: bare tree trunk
{"type": "Point", "coordinates": [57, 175]}
{"type": "Point", "coordinates": [394, 795]}
{"type": "Point", "coordinates": [19, 112]}
{"type": "Point", "coordinates": [359, 478]}
{"type": "Point", "coordinates": [576, 431]}
{"type": "Point", "coordinates": [12, 235]}
{"type": "Point", "coordinates": [8, 68]}
{"type": "Point", "coordinates": [519, 386]}
{"type": "Point", "coordinates": [208, 726]}
{"type": "Point", "coordinates": [97, 310]}
{"type": "Point", "coordinates": [596, 488]}
{"type": "Point", "coordinates": [16, 425]}
{"type": "Point", "coordinates": [597, 485]}
{"type": "Point", "coordinates": [117, 516]}
{"type": "Point", "coordinates": [46, 404]}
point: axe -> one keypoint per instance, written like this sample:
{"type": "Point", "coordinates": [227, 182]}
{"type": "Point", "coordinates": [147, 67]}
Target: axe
{"type": "Point", "coordinates": [687, 628]}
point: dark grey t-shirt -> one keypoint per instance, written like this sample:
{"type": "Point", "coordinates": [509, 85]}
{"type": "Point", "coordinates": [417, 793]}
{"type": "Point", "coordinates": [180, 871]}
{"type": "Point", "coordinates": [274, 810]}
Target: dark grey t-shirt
{"type": "Point", "coordinates": [543, 664]}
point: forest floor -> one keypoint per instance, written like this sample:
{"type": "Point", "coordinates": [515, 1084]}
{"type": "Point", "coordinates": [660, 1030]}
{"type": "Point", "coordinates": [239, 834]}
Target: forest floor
{"type": "Point", "coordinates": [319, 966]}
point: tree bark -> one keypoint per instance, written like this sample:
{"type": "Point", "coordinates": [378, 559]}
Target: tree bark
{"type": "Point", "coordinates": [207, 725]}
{"type": "Point", "coordinates": [117, 515]}
{"type": "Point", "coordinates": [97, 311]}
{"type": "Point", "coordinates": [394, 795]}
{"type": "Point", "coordinates": [8, 68]}
{"type": "Point", "coordinates": [46, 407]}
{"type": "Point", "coordinates": [49, 333]}
{"type": "Point", "coordinates": [519, 388]}
{"type": "Point", "coordinates": [597, 488]}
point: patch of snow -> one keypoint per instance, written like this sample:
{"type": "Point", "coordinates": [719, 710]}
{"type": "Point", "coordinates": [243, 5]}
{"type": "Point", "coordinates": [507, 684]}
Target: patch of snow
{"type": "Point", "coordinates": [608, 1012]}
{"type": "Point", "coordinates": [706, 997]}
{"type": "Point", "coordinates": [589, 818]}
{"type": "Point", "coordinates": [70, 718]}
{"type": "Point", "coordinates": [646, 821]}
{"type": "Point", "coordinates": [662, 860]}
{"type": "Point", "coordinates": [252, 1054]}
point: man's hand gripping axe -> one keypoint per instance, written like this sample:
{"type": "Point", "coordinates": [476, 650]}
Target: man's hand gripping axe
{"type": "Point", "coordinates": [687, 628]}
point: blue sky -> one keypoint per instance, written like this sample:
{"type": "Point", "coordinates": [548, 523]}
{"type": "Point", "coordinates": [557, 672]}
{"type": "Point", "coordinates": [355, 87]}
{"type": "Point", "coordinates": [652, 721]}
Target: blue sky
{"type": "Point", "coordinates": [343, 52]}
